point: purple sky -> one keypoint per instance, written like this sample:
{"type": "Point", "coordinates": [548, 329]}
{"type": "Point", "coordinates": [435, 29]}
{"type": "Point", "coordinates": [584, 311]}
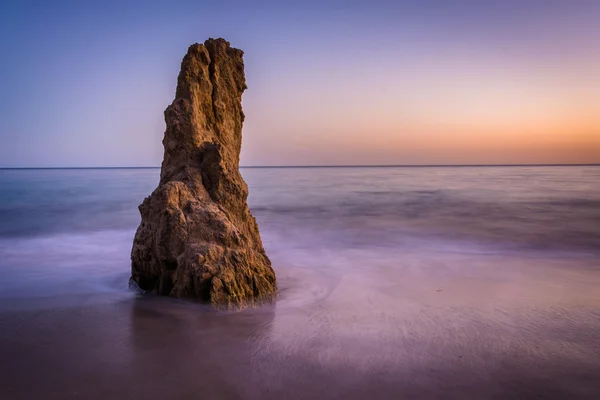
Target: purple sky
{"type": "Point", "coordinates": [421, 82]}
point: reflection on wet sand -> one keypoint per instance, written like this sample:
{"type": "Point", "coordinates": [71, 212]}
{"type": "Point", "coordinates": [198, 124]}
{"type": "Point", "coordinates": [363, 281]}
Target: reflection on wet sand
{"type": "Point", "coordinates": [139, 348]}
{"type": "Point", "coordinates": [348, 336]}
{"type": "Point", "coordinates": [183, 352]}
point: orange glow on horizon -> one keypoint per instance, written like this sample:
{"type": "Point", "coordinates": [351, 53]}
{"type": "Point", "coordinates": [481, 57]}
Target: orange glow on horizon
{"type": "Point", "coordinates": [431, 114]}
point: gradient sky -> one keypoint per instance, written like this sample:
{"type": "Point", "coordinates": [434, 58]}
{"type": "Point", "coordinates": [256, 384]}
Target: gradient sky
{"type": "Point", "coordinates": [408, 82]}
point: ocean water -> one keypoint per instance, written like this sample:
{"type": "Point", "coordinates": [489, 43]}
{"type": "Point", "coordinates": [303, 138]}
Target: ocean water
{"type": "Point", "coordinates": [413, 282]}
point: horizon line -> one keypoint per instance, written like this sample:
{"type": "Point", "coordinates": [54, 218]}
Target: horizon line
{"type": "Point", "coordinates": [335, 166]}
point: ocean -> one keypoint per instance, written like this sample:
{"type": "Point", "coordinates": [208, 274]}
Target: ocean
{"type": "Point", "coordinates": [394, 282]}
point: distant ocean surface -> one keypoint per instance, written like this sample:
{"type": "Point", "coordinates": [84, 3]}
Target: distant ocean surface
{"type": "Point", "coordinates": [396, 280]}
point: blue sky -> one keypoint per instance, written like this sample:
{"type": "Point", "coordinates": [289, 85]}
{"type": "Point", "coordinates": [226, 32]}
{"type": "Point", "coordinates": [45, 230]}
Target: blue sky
{"type": "Point", "coordinates": [423, 82]}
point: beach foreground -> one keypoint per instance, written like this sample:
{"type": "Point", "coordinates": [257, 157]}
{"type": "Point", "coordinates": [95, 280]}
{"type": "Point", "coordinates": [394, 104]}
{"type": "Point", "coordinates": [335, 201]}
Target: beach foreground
{"type": "Point", "coordinates": [344, 344]}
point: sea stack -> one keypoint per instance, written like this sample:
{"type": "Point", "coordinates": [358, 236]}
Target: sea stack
{"type": "Point", "coordinates": [197, 238]}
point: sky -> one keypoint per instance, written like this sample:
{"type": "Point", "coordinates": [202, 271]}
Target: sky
{"type": "Point", "coordinates": [85, 83]}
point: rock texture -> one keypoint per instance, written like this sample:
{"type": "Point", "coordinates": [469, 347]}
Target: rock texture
{"type": "Point", "coordinates": [197, 238]}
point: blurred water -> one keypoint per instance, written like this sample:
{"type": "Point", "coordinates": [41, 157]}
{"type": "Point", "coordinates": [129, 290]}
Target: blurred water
{"type": "Point", "coordinates": [466, 282]}
{"type": "Point", "coordinates": [69, 231]}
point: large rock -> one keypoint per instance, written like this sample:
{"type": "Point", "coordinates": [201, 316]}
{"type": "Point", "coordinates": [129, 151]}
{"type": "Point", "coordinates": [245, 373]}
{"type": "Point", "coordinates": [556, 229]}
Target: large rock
{"type": "Point", "coordinates": [197, 238]}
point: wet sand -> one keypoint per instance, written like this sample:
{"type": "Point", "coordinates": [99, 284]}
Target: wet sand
{"type": "Point", "coordinates": [474, 331]}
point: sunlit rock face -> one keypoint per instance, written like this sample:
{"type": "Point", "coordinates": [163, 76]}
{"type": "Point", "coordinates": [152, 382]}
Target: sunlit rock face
{"type": "Point", "coordinates": [197, 238]}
